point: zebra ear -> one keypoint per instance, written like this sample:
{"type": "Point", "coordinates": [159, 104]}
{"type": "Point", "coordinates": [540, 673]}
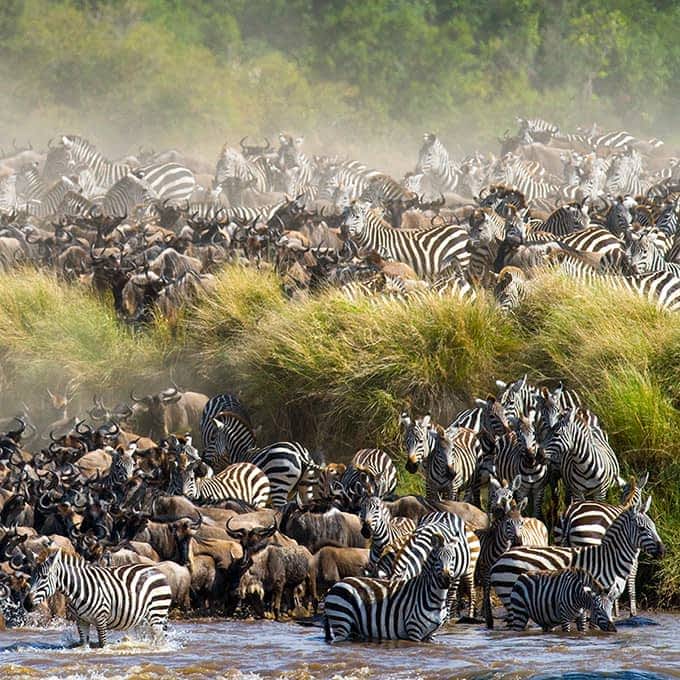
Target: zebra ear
{"type": "Point", "coordinates": [516, 482]}
{"type": "Point", "coordinates": [643, 480]}
{"type": "Point", "coordinates": [588, 589]}
{"type": "Point", "coordinates": [646, 506]}
{"type": "Point", "coordinates": [523, 504]}
{"type": "Point", "coordinates": [427, 419]}
{"type": "Point", "coordinates": [218, 423]}
{"type": "Point", "coordinates": [493, 482]}
{"type": "Point", "coordinates": [501, 385]}
{"type": "Point", "coordinates": [405, 419]}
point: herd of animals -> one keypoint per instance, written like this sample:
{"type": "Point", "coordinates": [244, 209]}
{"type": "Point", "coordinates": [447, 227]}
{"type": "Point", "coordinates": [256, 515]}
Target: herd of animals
{"type": "Point", "coordinates": [168, 503]}
{"type": "Point", "coordinates": [117, 529]}
{"type": "Point", "coordinates": [153, 229]}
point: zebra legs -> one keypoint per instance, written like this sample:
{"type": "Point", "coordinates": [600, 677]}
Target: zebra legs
{"type": "Point", "coordinates": [102, 633]}
{"type": "Point", "coordinates": [631, 588]}
{"type": "Point", "coordinates": [83, 633]}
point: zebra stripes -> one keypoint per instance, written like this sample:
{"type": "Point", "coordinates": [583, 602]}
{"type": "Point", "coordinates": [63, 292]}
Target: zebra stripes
{"type": "Point", "coordinates": [434, 162]}
{"type": "Point", "coordinates": [171, 183]}
{"type": "Point", "coordinates": [413, 553]}
{"type": "Point", "coordinates": [503, 533]}
{"type": "Point", "coordinates": [584, 523]}
{"type": "Point", "coordinates": [427, 251]}
{"type": "Point", "coordinates": [126, 195]}
{"type": "Point", "coordinates": [588, 465]}
{"type": "Point", "coordinates": [384, 531]}
{"type": "Point", "coordinates": [631, 531]}
{"type": "Point", "coordinates": [373, 467]}
{"type": "Point", "coordinates": [81, 152]}
{"type": "Point", "coordinates": [236, 431]}
{"type": "Point", "coordinates": [239, 481]}
{"type": "Point", "coordinates": [114, 598]}
{"type": "Point", "coordinates": [289, 468]}
{"type": "Point", "coordinates": [450, 459]}
{"type": "Point", "coordinates": [413, 609]}
{"type": "Point", "coordinates": [558, 598]}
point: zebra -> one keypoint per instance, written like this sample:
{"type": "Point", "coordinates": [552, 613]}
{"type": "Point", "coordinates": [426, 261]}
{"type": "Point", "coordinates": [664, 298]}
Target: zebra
{"type": "Point", "coordinates": [297, 168]}
{"type": "Point", "coordinates": [234, 173]}
{"type": "Point", "coordinates": [588, 464]}
{"type": "Point", "coordinates": [631, 531]}
{"type": "Point", "coordinates": [239, 481]}
{"type": "Point", "coordinates": [646, 257]}
{"type": "Point", "coordinates": [517, 399]}
{"type": "Point", "coordinates": [373, 467]}
{"type": "Point", "coordinates": [352, 176]}
{"type": "Point", "coordinates": [517, 453]}
{"type": "Point", "coordinates": [386, 532]}
{"type": "Point", "coordinates": [565, 220]}
{"type": "Point", "coordinates": [411, 609]}
{"type": "Point", "coordinates": [661, 289]}
{"type": "Point", "coordinates": [288, 466]}
{"type": "Point", "coordinates": [413, 553]}
{"type": "Point", "coordinates": [236, 430]}
{"type": "Point", "coordinates": [511, 289]}
{"type": "Point", "coordinates": [51, 202]}
{"type": "Point", "coordinates": [171, 183]}
{"type": "Point", "coordinates": [503, 533]}
{"type": "Point", "coordinates": [599, 244]}
{"type": "Point", "coordinates": [450, 458]}
{"type": "Point", "coordinates": [427, 251]}
{"type": "Point", "coordinates": [110, 598]}
{"type": "Point", "coordinates": [584, 523]}
{"type": "Point", "coordinates": [556, 598]}
{"type": "Point", "coordinates": [551, 406]}
{"type": "Point", "coordinates": [82, 152]}
{"type": "Point", "coordinates": [126, 195]}
{"type": "Point", "coordinates": [487, 232]}
{"type": "Point", "coordinates": [434, 162]}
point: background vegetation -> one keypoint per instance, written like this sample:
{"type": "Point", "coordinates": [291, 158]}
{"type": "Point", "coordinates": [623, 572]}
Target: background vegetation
{"type": "Point", "coordinates": [193, 73]}
{"type": "Point", "coordinates": [336, 375]}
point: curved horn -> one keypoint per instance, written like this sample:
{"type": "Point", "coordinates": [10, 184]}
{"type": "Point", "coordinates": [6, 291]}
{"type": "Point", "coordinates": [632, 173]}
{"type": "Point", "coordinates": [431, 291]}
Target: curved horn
{"type": "Point", "coordinates": [237, 534]}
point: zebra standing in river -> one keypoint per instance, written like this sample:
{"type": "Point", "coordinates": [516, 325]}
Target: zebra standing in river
{"type": "Point", "coordinates": [503, 533]}
{"type": "Point", "coordinates": [556, 598]}
{"type": "Point", "coordinates": [631, 531]}
{"type": "Point", "coordinates": [427, 251]}
{"type": "Point", "coordinates": [115, 598]}
{"type": "Point", "coordinates": [412, 609]}
{"type": "Point", "coordinates": [413, 553]}
{"type": "Point", "coordinates": [584, 523]}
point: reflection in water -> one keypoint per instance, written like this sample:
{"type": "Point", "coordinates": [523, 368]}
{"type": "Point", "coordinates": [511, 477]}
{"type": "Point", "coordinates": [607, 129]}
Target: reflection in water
{"type": "Point", "coordinates": [238, 650]}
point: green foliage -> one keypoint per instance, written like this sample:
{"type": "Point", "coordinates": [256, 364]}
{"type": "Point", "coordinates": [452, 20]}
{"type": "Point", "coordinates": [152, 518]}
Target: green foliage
{"type": "Point", "coordinates": [204, 70]}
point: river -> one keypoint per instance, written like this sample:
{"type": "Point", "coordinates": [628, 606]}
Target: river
{"type": "Point", "coordinates": [240, 650]}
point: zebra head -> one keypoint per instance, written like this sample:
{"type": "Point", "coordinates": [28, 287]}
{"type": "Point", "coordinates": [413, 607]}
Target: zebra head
{"type": "Point", "coordinates": [445, 559]}
{"type": "Point", "coordinates": [372, 515]}
{"type": "Point", "coordinates": [501, 494]}
{"type": "Point", "coordinates": [44, 580]}
{"type": "Point", "coordinates": [416, 439]}
{"type": "Point", "coordinates": [642, 253]}
{"type": "Point", "coordinates": [355, 218]}
{"type": "Point", "coordinates": [511, 525]}
{"type": "Point", "coordinates": [642, 530]}
{"type": "Point", "coordinates": [602, 605]}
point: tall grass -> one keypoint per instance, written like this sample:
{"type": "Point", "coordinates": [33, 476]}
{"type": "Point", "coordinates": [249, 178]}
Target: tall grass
{"type": "Point", "coordinates": [336, 374]}
{"type": "Point", "coordinates": [54, 333]}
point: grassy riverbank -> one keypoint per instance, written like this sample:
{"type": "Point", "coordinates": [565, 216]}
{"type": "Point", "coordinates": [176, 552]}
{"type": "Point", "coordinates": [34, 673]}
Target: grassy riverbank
{"type": "Point", "coordinates": [337, 374]}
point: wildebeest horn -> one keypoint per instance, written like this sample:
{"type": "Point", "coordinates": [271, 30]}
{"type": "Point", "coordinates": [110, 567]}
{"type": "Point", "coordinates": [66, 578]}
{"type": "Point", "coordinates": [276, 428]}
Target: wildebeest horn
{"type": "Point", "coordinates": [238, 534]}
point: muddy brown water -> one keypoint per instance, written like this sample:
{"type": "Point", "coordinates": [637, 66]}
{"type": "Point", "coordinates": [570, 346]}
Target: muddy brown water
{"type": "Point", "coordinates": [240, 650]}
